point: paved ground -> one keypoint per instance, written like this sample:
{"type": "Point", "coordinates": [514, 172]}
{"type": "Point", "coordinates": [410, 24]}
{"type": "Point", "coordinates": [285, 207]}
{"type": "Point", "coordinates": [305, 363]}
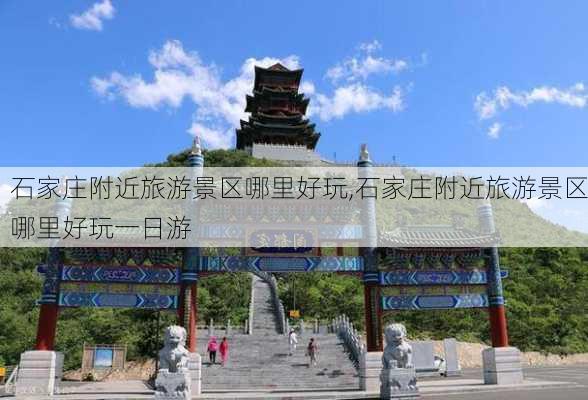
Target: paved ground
{"type": "Point", "coordinates": [577, 390]}
{"type": "Point", "coordinates": [465, 387]}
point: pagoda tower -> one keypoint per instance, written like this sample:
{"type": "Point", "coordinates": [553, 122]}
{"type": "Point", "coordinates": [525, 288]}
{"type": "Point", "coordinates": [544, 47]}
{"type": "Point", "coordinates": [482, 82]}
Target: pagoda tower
{"type": "Point", "coordinates": [278, 111]}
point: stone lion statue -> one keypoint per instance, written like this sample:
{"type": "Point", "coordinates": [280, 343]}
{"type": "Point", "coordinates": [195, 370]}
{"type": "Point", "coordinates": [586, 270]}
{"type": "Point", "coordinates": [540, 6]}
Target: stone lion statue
{"type": "Point", "coordinates": [398, 376]}
{"type": "Point", "coordinates": [174, 355]}
{"type": "Point", "coordinates": [398, 353]}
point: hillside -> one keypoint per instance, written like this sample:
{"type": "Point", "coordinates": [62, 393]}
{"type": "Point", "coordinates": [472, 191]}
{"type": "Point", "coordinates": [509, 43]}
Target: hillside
{"type": "Point", "coordinates": [547, 295]}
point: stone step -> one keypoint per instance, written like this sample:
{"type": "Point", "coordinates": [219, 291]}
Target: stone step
{"type": "Point", "coordinates": [261, 361]}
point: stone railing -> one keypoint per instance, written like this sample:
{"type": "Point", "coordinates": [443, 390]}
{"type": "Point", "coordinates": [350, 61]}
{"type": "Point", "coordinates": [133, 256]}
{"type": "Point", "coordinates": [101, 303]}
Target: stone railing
{"type": "Point", "coordinates": [249, 322]}
{"type": "Point", "coordinates": [353, 163]}
{"type": "Point", "coordinates": [10, 384]}
{"type": "Point", "coordinates": [284, 152]}
{"type": "Point", "coordinates": [351, 338]}
{"type": "Point", "coordinates": [314, 326]}
{"type": "Point", "coordinates": [215, 328]}
{"type": "Point", "coordinates": [281, 312]}
{"type": "Point", "coordinates": [278, 306]}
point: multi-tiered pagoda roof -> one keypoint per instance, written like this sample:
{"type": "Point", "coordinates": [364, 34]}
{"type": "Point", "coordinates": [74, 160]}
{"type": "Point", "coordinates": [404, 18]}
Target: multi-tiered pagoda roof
{"type": "Point", "coordinates": [277, 111]}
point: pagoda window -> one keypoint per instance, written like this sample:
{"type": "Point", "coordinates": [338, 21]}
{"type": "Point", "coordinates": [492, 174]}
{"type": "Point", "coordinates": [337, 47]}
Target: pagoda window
{"type": "Point", "coordinates": [277, 81]}
{"type": "Point", "coordinates": [280, 104]}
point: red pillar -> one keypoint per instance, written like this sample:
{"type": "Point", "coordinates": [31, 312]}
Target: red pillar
{"type": "Point", "coordinates": [496, 311]}
{"type": "Point", "coordinates": [193, 318]}
{"type": "Point", "coordinates": [47, 327]}
{"type": "Point", "coordinates": [190, 320]}
{"type": "Point", "coordinates": [373, 325]}
{"type": "Point", "coordinates": [498, 331]}
{"type": "Point", "coordinates": [181, 306]}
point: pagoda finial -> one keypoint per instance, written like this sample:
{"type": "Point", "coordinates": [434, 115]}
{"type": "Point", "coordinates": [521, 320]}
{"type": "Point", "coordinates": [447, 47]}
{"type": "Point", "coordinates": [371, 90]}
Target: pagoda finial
{"type": "Point", "coordinates": [196, 148]}
{"type": "Point", "coordinates": [61, 190]}
{"type": "Point", "coordinates": [364, 155]}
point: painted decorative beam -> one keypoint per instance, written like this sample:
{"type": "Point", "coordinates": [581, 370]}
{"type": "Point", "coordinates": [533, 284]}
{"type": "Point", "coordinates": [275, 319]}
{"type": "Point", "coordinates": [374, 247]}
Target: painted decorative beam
{"type": "Point", "coordinates": [434, 277]}
{"type": "Point", "coordinates": [281, 264]}
{"type": "Point", "coordinates": [124, 300]}
{"type": "Point", "coordinates": [120, 274]}
{"type": "Point", "coordinates": [434, 302]}
{"type": "Point", "coordinates": [238, 231]}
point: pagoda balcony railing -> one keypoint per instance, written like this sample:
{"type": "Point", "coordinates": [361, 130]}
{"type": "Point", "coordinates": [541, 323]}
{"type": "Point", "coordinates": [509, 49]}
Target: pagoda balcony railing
{"type": "Point", "coordinates": [274, 107]}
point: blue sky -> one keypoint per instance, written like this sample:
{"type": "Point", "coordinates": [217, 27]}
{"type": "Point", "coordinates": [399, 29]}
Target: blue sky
{"type": "Point", "coordinates": [444, 83]}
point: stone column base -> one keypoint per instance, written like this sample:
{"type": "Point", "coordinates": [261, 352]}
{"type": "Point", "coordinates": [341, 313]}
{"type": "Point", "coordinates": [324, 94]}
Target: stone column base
{"type": "Point", "coordinates": [195, 367]}
{"type": "Point", "coordinates": [172, 385]}
{"type": "Point", "coordinates": [39, 373]}
{"type": "Point", "coordinates": [502, 366]}
{"type": "Point", "coordinates": [370, 366]}
{"type": "Point", "coordinates": [399, 383]}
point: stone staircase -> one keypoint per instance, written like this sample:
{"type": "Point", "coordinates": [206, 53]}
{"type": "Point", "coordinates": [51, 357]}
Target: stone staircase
{"type": "Point", "coordinates": [264, 316]}
{"type": "Point", "coordinates": [261, 362]}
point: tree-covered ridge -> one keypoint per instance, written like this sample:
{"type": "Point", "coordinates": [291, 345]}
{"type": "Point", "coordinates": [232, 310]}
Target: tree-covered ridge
{"type": "Point", "coordinates": [546, 295]}
{"type": "Point", "coordinates": [217, 158]}
{"type": "Point", "coordinates": [547, 298]}
{"type": "Point", "coordinates": [220, 297]}
{"type": "Point", "coordinates": [516, 223]}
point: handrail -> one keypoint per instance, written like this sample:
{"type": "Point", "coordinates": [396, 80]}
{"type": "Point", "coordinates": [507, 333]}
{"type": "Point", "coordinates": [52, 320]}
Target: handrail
{"type": "Point", "coordinates": [270, 279]}
{"type": "Point", "coordinates": [10, 384]}
{"type": "Point", "coordinates": [251, 306]}
{"type": "Point", "coordinates": [351, 338]}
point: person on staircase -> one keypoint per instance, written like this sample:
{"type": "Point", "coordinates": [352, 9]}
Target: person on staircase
{"type": "Point", "coordinates": [212, 348]}
{"type": "Point", "coordinates": [312, 352]}
{"type": "Point", "coordinates": [224, 351]}
{"type": "Point", "coordinates": [292, 341]}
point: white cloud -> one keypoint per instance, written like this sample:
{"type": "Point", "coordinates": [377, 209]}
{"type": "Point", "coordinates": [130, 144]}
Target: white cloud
{"type": "Point", "coordinates": [181, 76]}
{"type": "Point", "coordinates": [54, 22]}
{"type": "Point", "coordinates": [488, 106]}
{"type": "Point", "coordinates": [364, 64]}
{"type": "Point", "coordinates": [307, 88]}
{"type": "Point", "coordinates": [370, 47]}
{"type": "Point", "coordinates": [215, 138]}
{"type": "Point", "coordinates": [494, 130]}
{"type": "Point", "coordinates": [5, 196]}
{"type": "Point", "coordinates": [536, 204]}
{"type": "Point", "coordinates": [354, 98]}
{"type": "Point", "coordinates": [92, 18]}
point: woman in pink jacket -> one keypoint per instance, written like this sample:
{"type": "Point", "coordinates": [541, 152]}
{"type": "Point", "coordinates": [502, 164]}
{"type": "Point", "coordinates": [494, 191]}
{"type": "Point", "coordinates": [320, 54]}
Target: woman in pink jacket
{"type": "Point", "coordinates": [212, 348]}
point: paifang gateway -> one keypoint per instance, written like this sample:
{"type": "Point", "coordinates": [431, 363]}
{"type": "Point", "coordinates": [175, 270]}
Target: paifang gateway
{"type": "Point", "coordinates": [404, 274]}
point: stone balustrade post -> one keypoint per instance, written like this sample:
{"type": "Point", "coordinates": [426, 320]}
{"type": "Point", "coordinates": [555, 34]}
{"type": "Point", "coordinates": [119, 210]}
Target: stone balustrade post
{"type": "Point", "coordinates": [195, 368]}
{"type": "Point", "coordinates": [370, 367]}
